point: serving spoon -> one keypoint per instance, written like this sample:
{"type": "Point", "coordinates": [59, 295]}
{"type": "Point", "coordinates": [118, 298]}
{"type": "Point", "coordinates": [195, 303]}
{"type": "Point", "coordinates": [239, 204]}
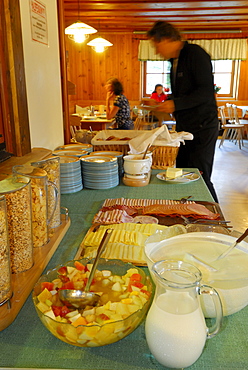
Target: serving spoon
{"type": "Point", "coordinates": [82, 298]}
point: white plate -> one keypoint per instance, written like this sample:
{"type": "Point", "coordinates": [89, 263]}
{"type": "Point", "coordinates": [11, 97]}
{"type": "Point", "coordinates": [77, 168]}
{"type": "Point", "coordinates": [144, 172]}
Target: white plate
{"type": "Point", "coordinates": [90, 118]}
{"type": "Point", "coordinates": [178, 180]}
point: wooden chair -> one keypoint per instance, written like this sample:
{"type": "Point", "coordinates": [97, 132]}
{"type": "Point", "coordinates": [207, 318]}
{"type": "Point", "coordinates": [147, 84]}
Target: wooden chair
{"type": "Point", "coordinates": [75, 124]}
{"type": "Point", "coordinates": [230, 128]}
{"type": "Point", "coordinates": [240, 121]}
{"type": "Point", "coordinates": [140, 124]}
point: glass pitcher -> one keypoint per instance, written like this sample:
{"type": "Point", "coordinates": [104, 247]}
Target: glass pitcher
{"type": "Point", "coordinates": [175, 326]}
{"type": "Point", "coordinates": [40, 186]}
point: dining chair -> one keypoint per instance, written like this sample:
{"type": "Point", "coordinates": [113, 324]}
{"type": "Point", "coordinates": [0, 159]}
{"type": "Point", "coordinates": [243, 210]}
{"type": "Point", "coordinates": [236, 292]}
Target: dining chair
{"type": "Point", "coordinates": [140, 124]}
{"type": "Point", "coordinates": [229, 128]}
{"type": "Point", "coordinates": [75, 124]}
{"type": "Point", "coordinates": [241, 121]}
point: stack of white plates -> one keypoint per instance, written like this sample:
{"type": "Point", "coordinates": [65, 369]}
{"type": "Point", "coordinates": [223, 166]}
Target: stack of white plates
{"type": "Point", "coordinates": [70, 174]}
{"type": "Point", "coordinates": [100, 172]}
{"type": "Point", "coordinates": [118, 155]}
{"type": "Point", "coordinates": [72, 147]}
{"type": "Point", "coordinates": [66, 152]}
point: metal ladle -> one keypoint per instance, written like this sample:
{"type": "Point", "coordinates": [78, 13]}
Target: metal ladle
{"type": "Point", "coordinates": [80, 298]}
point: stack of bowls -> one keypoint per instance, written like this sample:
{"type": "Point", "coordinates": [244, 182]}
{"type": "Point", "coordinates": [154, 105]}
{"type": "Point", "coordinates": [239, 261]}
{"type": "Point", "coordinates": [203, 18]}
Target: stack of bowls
{"type": "Point", "coordinates": [100, 172]}
{"type": "Point", "coordinates": [118, 155]}
{"type": "Point", "coordinates": [70, 174]}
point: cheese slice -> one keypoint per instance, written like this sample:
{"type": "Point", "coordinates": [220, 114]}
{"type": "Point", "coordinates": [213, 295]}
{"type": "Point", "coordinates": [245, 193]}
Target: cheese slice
{"type": "Point", "coordinates": [174, 172]}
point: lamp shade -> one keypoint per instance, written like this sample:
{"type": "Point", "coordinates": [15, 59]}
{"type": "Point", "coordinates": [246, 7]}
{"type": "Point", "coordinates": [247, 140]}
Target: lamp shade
{"type": "Point", "coordinates": [79, 31]}
{"type": "Point", "coordinates": [99, 44]}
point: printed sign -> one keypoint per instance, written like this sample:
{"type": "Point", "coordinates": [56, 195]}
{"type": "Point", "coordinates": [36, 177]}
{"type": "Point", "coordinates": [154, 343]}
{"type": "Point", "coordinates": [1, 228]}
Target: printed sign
{"type": "Point", "coordinates": [38, 16]}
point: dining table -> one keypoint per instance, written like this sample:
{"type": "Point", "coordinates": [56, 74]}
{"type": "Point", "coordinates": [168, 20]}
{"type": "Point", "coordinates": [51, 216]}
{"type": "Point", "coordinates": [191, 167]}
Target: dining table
{"type": "Point", "coordinates": [26, 343]}
{"type": "Point", "coordinates": [244, 109]}
{"type": "Point", "coordinates": [96, 123]}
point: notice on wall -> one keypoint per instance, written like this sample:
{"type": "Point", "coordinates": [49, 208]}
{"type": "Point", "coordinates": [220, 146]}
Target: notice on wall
{"type": "Point", "coordinates": [38, 17]}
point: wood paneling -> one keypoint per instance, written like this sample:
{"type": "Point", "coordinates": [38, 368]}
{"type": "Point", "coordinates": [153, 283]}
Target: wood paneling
{"type": "Point", "coordinates": [89, 70]}
{"type": "Point", "coordinates": [139, 15]}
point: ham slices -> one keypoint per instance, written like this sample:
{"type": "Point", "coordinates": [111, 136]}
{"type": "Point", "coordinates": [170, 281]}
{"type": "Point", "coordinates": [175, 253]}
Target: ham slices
{"type": "Point", "coordinates": [191, 210]}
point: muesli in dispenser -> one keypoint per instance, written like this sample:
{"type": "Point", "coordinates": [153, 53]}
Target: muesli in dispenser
{"type": "Point", "coordinates": [5, 271]}
{"type": "Point", "coordinates": [17, 191]}
{"type": "Point", "coordinates": [52, 167]}
{"type": "Point", "coordinates": [39, 189]}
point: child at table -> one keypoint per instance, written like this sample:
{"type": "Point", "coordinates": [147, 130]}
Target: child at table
{"type": "Point", "coordinates": [158, 93]}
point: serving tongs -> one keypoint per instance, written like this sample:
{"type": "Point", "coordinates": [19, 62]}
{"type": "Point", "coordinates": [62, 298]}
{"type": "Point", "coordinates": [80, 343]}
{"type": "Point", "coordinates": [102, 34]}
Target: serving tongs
{"type": "Point", "coordinates": [206, 221]}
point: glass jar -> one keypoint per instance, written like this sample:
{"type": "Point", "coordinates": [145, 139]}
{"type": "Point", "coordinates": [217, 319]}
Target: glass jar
{"type": "Point", "coordinates": [52, 167]}
{"type": "Point", "coordinates": [17, 191]}
{"type": "Point", "coordinates": [5, 271]}
{"type": "Point", "coordinates": [39, 187]}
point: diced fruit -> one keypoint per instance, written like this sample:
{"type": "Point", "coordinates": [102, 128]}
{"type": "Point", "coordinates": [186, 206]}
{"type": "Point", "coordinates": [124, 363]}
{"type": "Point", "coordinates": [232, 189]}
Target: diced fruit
{"type": "Point", "coordinates": [62, 270]}
{"type": "Point", "coordinates": [49, 286]}
{"type": "Point", "coordinates": [79, 266]}
{"type": "Point", "coordinates": [44, 295]}
{"type": "Point", "coordinates": [117, 287]}
{"type": "Point", "coordinates": [120, 297]}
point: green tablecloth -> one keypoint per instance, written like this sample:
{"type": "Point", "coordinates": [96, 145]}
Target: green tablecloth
{"type": "Point", "coordinates": [26, 343]}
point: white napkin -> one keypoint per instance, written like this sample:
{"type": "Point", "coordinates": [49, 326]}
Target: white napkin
{"type": "Point", "coordinates": [139, 143]}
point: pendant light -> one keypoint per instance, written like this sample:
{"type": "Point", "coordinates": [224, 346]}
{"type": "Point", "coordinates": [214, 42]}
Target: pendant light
{"type": "Point", "coordinates": [99, 44]}
{"type": "Point", "coordinates": [79, 31]}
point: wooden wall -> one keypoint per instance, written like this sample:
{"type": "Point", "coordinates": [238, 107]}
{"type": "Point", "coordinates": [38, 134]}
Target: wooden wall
{"type": "Point", "coordinates": [89, 70]}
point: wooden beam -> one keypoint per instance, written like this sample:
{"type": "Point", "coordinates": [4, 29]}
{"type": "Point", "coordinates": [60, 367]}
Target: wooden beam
{"type": "Point", "coordinates": [16, 78]}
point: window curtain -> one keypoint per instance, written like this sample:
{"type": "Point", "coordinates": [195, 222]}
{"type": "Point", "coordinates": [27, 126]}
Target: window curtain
{"type": "Point", "coordinates": [234, 49]}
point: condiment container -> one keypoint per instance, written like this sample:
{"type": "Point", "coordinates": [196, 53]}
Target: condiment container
{"type": "Point", "coordinates": [17, 191]}
{"type": "Point", "coordinates": [39, 187]}
{"type": "Point", "coordinates": [5, 271]}
{"type": "Point", "coordinates": [52, 167]}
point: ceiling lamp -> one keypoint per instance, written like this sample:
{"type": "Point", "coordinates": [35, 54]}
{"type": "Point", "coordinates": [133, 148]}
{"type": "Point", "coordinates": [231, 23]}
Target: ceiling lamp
{"type": "Point", "coordinates": [79, 31]}
{"type": "Point", "coordinates": [99, 44]}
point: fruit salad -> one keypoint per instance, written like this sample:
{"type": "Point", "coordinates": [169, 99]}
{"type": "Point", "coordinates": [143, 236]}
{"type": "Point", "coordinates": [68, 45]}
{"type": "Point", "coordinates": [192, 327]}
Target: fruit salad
{"type": "Point", "coordinates": [124, 300]}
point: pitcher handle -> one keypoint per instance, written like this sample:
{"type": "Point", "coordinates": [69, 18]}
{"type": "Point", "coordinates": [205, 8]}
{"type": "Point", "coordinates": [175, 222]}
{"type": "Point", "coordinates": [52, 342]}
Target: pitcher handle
{"type": "Point", "coordinates": [214, 329]}
{"type": "Point", "coordinates": [56, 193]}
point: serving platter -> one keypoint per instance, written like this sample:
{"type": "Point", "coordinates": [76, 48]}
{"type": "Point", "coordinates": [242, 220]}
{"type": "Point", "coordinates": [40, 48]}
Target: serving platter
{"type": "Point", "coordinates": [128, 253]}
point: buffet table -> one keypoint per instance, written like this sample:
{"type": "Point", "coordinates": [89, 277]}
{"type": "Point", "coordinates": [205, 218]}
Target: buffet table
{"type": "Point", "coordinates": [26, 343]}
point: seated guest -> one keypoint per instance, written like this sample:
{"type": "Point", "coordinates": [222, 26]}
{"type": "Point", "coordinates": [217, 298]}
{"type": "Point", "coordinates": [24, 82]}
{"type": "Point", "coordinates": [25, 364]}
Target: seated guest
{"type": "Point", "coordinates": [158, 94]}
{"type": "Point", "coordinates": [117, 105]}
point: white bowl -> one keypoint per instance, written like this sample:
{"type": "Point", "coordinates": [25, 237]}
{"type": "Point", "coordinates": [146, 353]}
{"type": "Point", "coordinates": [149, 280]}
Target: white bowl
{"type": "Point", "coordinates": [134, 164]}
{"type": "Point", "coordinates": [231, 276]}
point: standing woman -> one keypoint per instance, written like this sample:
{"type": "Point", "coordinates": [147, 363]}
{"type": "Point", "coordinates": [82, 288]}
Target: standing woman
{"type": "Point", "coordinates": [119, 108]}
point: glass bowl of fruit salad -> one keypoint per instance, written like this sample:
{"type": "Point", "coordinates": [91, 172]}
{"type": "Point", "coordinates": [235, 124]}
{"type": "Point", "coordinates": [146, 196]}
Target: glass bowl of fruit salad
{"type": "Point", "coordinates": [125, 295]}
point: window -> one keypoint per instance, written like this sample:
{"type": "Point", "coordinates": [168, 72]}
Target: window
{"type": "Point", "coordinates": [223, 71]}
{"type": "Point", "coordinates": [225, 75]}
{"type": "Point", "coordinates": [156, 72]}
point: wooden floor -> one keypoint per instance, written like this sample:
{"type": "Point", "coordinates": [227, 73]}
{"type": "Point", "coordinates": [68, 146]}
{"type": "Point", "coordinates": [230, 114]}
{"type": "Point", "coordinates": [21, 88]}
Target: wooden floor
{"type": "Point", "coordinates": [230, 178]}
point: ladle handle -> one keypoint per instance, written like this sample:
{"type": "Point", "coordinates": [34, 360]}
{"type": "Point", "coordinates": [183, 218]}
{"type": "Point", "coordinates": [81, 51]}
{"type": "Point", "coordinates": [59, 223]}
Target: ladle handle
{"type": "Point", "coordinates": [100, 250]}
{"type": "Point", "coordinates": [242, 236]}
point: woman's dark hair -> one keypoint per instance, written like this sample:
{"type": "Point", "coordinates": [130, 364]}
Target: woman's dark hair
{"type": "Point", "coordinates": [116, 85]}
{"type": "Point", "coordinates": [163, 30]}
{"type": "Point", "coordinates": [158, 85]}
